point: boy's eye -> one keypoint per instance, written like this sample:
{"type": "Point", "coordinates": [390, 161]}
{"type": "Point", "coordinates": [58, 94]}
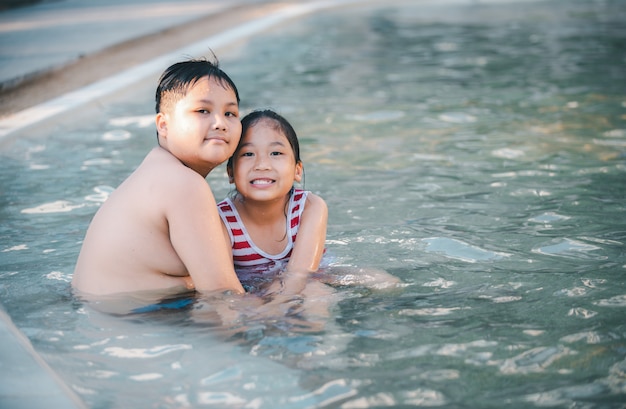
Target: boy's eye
{"type": "Point", "coordinates": [276, 153]}
{"type": "Point", "coordinates": [232, 114]}
{"type": "Point", "coordinates": [246, 154]}
{"type": "Point", "coordinates": [203, 111]}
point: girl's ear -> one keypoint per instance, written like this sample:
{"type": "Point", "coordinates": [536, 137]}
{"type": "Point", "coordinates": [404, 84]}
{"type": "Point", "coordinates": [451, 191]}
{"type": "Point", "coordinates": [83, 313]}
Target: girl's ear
{"type": "Point", "coordinates": [231, 176]}
{"type": "Point", "coordinates": [299, 172]}
{"type": "Point", "coordinates": [161, 124]}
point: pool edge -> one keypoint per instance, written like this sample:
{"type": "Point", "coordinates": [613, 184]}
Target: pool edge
{"type": "Point", "coordinates": [26, 380]}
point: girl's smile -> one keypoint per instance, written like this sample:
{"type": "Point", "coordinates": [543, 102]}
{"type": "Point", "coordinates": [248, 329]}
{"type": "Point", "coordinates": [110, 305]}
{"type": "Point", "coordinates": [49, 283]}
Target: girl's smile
{"type": "Point", "coordinates": [264, 166]}
{"type": "Point", "coordinates": [262, 182]}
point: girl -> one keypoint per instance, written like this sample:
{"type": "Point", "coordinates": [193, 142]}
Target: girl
{"type": "Point", "coordinates": [272, 226]}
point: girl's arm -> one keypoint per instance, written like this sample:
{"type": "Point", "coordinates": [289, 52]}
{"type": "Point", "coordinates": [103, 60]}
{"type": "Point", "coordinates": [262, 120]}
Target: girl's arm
{"type": "Point", "coordinates": [287, 292]}
{"type": "Point", "coordinates": [309, 246]}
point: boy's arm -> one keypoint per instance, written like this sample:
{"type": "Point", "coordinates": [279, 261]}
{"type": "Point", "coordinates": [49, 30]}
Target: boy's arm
{"type": "Point", "coordinates": [197, 235]}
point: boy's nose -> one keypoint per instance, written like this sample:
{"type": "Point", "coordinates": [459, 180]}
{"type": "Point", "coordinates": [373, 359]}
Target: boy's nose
{"type": "Point", "coordinates": [219, 122]}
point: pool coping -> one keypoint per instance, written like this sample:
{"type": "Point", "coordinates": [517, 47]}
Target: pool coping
{"type": "Point", "coordinates": [26, 380]}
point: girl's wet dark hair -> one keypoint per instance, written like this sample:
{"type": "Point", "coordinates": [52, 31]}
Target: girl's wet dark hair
{"type": "Point", "coordinates": [277, 121]}
{"type": "Point", "coordinates": [178, 78]}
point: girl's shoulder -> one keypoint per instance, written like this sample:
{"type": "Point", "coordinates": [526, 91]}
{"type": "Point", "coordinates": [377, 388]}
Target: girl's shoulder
{"type": "Point", "coordinates": [313, 201]}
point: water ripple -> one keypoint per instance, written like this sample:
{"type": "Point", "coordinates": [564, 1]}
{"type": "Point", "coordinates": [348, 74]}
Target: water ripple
{"type": "Point", "coordinates": [18, 247]}
{"type": "Point", "coordinates": [327, 394]}
{"type": "Point", "coordinates": [534, 361]}
{"type": "Point", "coordinates": [569, 248]}
{"type": "Point", "coordinates": [146, 377]}
{"type": "Point", "coordinates": [590, 337]}
{"type": "Point", "coordinates": [616, 380]}
{"type": "Point", "coordinates": [120, 352]}
{"type": "Point", "coordinates": [457, 118]}
{"type": "Point", "coordinates": [580, 312]}
{"type": "Point", "coordinates": [220, 398]}
{"type": "Point", "coordinates": [101, 194]}
{"type": "Point", "coordinates": [430, 312]}
{"type": "Point", "coordinates": [377, 116]}
{"type": "Point", "coordinates": [141, 121]}
{"type": "Point", "coordinates": [380, 400]}
{"type": "Point", "coordinates": [439, 282]}
{"type": "Point", "coordinates": [59, 206]}
{"type": "Point", "coordinates": [617, 301]}
{"type": "Point", "coordinates": [59, 276]}
{"type": "Point", "coordinates": [226, 375]}
{"type": "Point", "coordinates": [566, 396]}
{"type": "Point", "coordinates": [455, 350]}
{"type": "Point", "coordinates": [459, 250]}
{"type": "Point", "coordinates": [548, 217]}
{"type": "Point", "coordinates": [116, 135]}
{"type": "Point", "coordinates": [424, 397]}
{"type": "Point", "coordinates": [508, 153]}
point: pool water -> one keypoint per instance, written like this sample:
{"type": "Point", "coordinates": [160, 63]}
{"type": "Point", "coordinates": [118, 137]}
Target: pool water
{"type": "Point", "coordinates": [475, 150]}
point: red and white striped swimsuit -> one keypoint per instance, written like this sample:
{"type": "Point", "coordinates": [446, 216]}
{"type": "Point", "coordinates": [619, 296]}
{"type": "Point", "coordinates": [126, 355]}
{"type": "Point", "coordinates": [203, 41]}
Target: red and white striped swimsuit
{"type": "Point", "coordinates": [245, 253]}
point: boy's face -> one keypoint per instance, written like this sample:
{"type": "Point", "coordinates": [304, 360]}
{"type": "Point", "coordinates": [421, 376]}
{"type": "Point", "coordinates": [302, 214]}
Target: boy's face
{"type": "Point", "coordinates": [203, 129]}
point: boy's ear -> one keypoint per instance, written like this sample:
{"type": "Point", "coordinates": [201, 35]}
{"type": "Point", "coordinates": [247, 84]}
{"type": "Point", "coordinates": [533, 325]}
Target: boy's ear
{"type": "Point", "coordinates": [299, 172]}
{"type": "Point", "coordinates": [161, 124]}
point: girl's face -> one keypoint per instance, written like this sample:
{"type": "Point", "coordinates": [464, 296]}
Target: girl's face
{"type": "Point", "coordinates": [264, 167]}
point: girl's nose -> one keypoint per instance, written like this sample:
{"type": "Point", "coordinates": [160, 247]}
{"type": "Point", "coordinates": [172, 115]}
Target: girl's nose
{"type": "Point", "coordinates": [261, 163]}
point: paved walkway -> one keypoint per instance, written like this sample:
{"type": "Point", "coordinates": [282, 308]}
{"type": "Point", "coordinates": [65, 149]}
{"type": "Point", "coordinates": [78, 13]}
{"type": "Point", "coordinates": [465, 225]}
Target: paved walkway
{"type": "Point", "coordinates": [107, 31]}
{"type": "Point", "coordinates": [51, 34]}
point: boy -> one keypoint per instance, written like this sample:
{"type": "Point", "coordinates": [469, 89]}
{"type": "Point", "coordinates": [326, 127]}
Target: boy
{"type": "Point", "coordinates": [160, 229]}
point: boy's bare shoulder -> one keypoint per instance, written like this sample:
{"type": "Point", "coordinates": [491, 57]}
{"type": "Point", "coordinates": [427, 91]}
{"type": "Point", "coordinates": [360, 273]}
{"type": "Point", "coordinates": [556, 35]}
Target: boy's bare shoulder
{"type": "Point", "coordinates": [159, 159]}
{"type": "Point", "coordinates": [181, 191]}
{"type": "Point", "coordinates": [171, 172]}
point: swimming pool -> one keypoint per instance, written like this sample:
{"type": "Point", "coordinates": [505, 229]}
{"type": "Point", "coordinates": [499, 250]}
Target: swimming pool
{"type": "Point", "coordinates": [475, 150]}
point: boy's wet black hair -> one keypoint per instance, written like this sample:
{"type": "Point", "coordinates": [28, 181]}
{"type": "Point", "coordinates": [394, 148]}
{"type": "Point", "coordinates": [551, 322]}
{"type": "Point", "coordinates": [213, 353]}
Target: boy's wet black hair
{"type": "Point", "coordinates": [179, 77]}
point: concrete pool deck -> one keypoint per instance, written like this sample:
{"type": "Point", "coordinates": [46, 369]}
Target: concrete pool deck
{"type": "Point", "coordinates": [86, 70]}
{"type": "Point", "coordinates": [56, 48]}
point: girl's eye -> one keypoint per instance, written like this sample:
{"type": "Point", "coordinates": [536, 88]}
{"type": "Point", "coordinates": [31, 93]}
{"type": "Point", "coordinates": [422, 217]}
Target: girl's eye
{"type": "Point", "coordinates": [247, 154]}
{"type": "Point", "coordinates": [276, 153]}
{"type": "Point", "coordinates": [203, 111]}
{"type": "Point", "coordinates": [232, 114]}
